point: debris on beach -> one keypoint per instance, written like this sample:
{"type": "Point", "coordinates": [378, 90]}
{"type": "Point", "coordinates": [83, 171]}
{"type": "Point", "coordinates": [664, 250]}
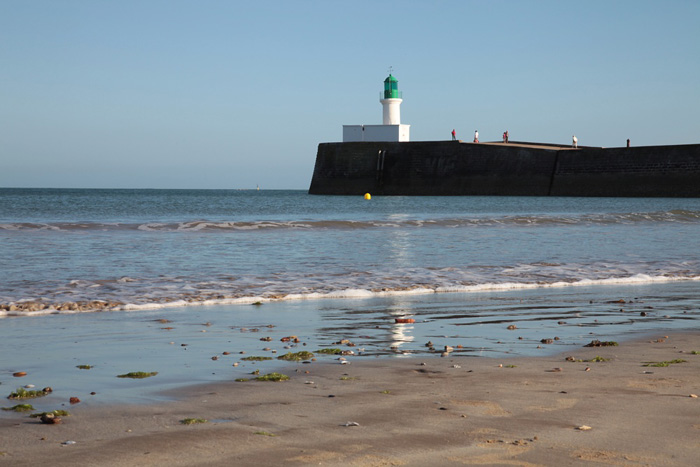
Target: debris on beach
{"type": "Point", "coordinates": [19, 374]}
{"type": "Point", "coordinates": [296, 356]}
{"type": "Point", "coordinates": [74, 400]}
{"type": "Point", "coordinates": [22, 393]}
{"type": "Point", "coordinates": [19, 408]}
{"type": "Point", "coordinates": [84, 367]}
{"type": "Point", "coordinates": [664, 363]}
{"type": "Point", "coordinates": [547, 341]}
{"type": "Point", "coordinates": [55, 413]}
{"type": "Point", "coordinates": [329, 351]}
{"type": "Point", "coordinates": [273, 377]}
{"type": "Point", "coordinates": [404, 320]}
{"type": "Point", "coordinates": [351, 424]}
{"type": "Point", "coordinates": [512, 327]}
{"type": "Point", "coordinates": [50, 419]}
{"type": "Point", "coordinates": [138, 374]}
{"type": "Point", "coordinates": [193, 421]}
{"type": "Point", "coordinates": [584, 428]}
{"type": "Point", "coordinates": [597, 343]}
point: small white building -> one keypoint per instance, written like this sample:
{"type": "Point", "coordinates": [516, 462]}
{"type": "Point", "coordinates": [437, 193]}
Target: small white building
{"type": "Point", "coordinates": [391, 128]}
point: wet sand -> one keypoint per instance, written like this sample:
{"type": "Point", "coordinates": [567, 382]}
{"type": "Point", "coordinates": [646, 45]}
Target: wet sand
{"type": "Point", "coordinates": [414, 411]}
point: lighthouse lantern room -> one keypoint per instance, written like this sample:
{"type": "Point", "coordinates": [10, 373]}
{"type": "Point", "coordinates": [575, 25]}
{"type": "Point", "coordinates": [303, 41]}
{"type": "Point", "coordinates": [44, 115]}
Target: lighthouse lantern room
{"type": "Point", "coordinates": [391, 128]}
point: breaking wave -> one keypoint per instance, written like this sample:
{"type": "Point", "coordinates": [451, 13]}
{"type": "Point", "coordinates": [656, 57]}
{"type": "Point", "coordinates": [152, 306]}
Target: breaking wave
{"type": "Point", "coordinates": [673, 216]}
{"type": "Point", "coordinates": [129, 293]}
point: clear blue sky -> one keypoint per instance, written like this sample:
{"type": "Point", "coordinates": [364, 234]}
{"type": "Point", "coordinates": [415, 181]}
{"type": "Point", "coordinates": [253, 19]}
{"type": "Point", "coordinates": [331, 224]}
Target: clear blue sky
{"type": "Point", "coordinates": [231, 94]}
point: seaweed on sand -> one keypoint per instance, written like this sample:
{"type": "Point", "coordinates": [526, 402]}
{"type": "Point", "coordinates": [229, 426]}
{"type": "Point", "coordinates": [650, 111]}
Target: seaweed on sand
{"type": "Point", "coordinates": [138, 374]}
{"type": "Point", "coordinates": [19, 408]}
{"type": "Point", "coordinates": [664, 363]}
{"type": "Point", "coordinates": [22, 393]}
{"type": "Point", "coordinates": [296, 356]}
{"type": "Point", "coordinates": [273, 377]}
{"type": "Point", "coordinates": [193, 421]}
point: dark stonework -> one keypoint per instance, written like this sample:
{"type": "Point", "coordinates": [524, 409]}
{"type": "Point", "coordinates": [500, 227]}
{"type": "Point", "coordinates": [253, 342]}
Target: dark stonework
{"type": "Point", "coordinates": [515, 169]}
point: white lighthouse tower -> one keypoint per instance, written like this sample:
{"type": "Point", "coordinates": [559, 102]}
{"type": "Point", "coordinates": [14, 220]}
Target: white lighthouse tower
{"type": "Point", "coordinates": [391, 128]}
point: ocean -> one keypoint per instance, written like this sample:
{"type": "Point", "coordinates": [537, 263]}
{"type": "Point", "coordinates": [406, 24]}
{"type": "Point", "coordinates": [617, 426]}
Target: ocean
{"type": "Point", "coordinates": [146, 249]}
{"type": "Point", "coordinates": [170, 279]}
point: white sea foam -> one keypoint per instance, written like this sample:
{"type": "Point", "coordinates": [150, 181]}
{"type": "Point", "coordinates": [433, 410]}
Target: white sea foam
{"type": "Point", "coordinates": [673, 216]}
{"type": "Point", "coordinates": [359, 293]}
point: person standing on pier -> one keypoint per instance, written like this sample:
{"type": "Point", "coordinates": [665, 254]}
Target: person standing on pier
{"type": "Point", "coordinates": [476, 136]}
{"type": "Point", "coordinates": [574, 142]}
{"type": "Point", "coordinates": [454, 135]}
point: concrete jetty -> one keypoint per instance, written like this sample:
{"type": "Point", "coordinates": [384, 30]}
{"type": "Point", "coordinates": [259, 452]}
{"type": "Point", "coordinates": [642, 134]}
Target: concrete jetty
{"type": "Point", "coordinates": [518, 168]}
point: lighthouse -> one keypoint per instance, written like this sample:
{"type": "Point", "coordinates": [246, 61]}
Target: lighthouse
{"type": "Point", "coordinates": [391, 102]}
{"type": "Point", "coordinates": [391, 128]}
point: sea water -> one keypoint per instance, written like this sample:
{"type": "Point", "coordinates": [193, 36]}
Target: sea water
{"type": "Point", "coordinates": [192, 274]}
{"type": "Point", "coordinates": [155, 248]}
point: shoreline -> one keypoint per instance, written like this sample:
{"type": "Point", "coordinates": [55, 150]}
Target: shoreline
{"type": "Point", "coordinates": [29, 308]}
{"type": "Point", "coordinates": [415, 411]}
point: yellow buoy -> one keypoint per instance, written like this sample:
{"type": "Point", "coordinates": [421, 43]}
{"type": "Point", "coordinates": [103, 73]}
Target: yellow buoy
{"type": "Point", "coordinates": [368, 196]}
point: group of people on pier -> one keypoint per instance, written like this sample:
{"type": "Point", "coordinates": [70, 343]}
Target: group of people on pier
{"type": "Point", "coordinates": [476, 136]}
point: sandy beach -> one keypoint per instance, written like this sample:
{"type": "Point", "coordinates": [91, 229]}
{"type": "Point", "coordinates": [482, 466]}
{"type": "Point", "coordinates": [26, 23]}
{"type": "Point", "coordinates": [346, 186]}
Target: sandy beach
{"type": "Point", "coordinates": [415, 411]}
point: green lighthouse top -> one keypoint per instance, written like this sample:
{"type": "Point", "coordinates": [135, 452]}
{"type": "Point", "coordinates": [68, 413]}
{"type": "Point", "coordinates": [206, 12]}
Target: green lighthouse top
{"type": "Point", "coordinates": [391, 88]}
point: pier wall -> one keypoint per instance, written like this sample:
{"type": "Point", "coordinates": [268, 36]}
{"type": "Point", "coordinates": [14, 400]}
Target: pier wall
{"type": "Point", "coordinates": [456, 168]}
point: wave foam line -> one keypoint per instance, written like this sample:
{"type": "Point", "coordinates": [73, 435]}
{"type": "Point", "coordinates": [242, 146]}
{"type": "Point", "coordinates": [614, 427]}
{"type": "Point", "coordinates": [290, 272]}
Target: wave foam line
{"type": "Point", "coordinates": [677, 216]}
{"type": "Point", "coordinates": [354, 293]}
